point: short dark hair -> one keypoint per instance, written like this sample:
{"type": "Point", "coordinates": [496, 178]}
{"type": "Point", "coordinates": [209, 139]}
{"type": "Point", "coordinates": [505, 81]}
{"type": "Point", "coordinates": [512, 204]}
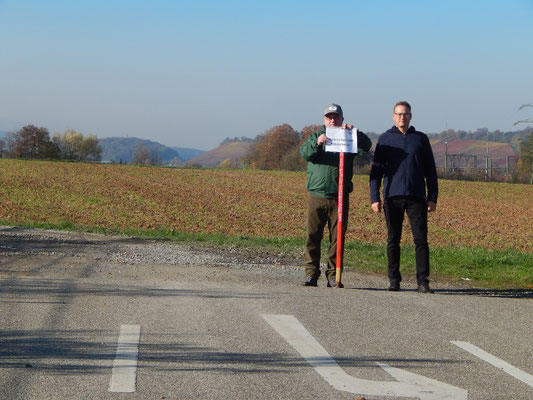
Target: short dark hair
{"type": "Point", "coordinates": [402, 103]}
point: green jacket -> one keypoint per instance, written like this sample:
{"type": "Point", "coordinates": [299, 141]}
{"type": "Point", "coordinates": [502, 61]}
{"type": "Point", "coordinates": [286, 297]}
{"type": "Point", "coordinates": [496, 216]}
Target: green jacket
{"type": "Point", "coordinates": [323, 166]}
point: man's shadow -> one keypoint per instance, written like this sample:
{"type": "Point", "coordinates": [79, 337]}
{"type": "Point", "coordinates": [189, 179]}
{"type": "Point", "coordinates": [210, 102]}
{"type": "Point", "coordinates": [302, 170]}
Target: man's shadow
{"type": "Point", "coordinates": [497, 293]}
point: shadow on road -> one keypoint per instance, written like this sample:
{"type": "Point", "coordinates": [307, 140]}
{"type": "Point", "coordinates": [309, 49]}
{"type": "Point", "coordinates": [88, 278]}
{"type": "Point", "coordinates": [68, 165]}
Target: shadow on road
{"type": "Point", "coordinates": [84, 351]}
{"type": "Point", "coordinates": [497, 293]}
{"type": "Point", "coordinates": [65, 289]}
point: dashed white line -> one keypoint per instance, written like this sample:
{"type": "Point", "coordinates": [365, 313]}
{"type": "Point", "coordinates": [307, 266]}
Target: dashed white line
{"type": "Point", "coordinates": [125, 365]}
{"type": "Point", "coordinates": [495, 361]}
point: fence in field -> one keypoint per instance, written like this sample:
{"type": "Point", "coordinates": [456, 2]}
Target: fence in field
{"type": "Point", "coordinates": [513, 169]}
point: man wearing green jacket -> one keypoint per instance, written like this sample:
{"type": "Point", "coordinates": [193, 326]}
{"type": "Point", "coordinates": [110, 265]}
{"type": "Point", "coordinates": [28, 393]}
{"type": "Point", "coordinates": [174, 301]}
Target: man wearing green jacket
{"type": "Point", "coordinates": [323, 187]}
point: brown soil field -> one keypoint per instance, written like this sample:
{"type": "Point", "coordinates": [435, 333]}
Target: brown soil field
{"type": "Point", "coordinates": [245, 203]}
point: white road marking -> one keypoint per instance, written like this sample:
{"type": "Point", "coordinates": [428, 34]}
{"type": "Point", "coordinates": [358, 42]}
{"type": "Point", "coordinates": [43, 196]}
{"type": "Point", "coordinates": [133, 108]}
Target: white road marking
{"type": "Point", "coordinates": [125, 365]}
{"type": "Point", "coordinates": [409, 385]}
{"type": "Point", "coordinates": [498, 363]}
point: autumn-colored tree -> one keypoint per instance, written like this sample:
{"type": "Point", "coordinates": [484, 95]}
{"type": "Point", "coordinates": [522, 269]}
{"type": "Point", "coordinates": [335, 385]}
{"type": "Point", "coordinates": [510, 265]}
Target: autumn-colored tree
{"type": "Point", "coordinates": [272, 147]}
{"type": "Point", "coordinates": [229, 163]}
{"type": "Point", "coordinates": [279, 148]}
{"type": "Point", "coordinates": [526, 147]}
{"type": "Point", "coordinates": [252, 158]}
{"type": "Point", "coordinates": [90, 149]}
{"type": "Point", "coordinates": [293, 161]}
{"type": "Point", "coordinates": [525, 163]}
{"type": "Point", "coordinates": [32, 143]}
{"type": "Point", "coordinates": [307, 130]}
{"type": "Point", "coordinates": [74, 146]}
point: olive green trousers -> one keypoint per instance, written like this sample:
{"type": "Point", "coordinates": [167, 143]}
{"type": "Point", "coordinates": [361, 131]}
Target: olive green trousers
{"type": "Point", "coordinates": [322, 212]}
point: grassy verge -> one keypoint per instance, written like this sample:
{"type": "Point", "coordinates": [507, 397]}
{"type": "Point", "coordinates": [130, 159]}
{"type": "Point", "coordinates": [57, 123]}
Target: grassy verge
{"type": "Point", "coordinates": [478, 266]}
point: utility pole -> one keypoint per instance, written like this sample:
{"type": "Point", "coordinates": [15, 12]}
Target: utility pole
{"type": "Point", "coordinates": [446, 159]}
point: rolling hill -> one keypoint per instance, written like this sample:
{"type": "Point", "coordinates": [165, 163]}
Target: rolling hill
{"type": "Point", "coordinates": [121, 149]}
{"type": "Point", "coordinates": [232, 151]}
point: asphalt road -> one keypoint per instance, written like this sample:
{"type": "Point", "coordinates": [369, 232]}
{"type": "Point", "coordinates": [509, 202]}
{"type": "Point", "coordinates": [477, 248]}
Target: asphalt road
{"type": "Point", "coordinates": [236, 331]}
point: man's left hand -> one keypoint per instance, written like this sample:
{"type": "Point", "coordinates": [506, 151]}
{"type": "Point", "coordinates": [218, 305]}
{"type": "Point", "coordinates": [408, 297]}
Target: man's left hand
{"type": "Point", "coordinates": [432, 206]}
{"type": "Point", "coordinates": [348, 127]}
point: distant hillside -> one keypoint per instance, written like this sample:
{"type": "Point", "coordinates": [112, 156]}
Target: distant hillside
{"type": "Point", "coordinates": [496, 151]}
{"type": "Point", "coordinates": [186, 153]}
{"type": "Point", "coordinates": [232, 151]}
{"type": "Point", "coordinates": [120, 149]}
{"type": "Point", "coordinates": [511, 137]}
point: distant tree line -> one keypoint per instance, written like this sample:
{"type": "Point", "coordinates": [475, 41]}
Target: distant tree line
{"type": "Point", "coordinates": [511, 137]}
{"type": "Point", "coordinates": [520, 140]}
{"type": "Point", "coordinates": [525, 164]}
{"type": "Point", "coordinates": [34, 143]}
{"type": "Point", "coordinates": [236, 139]}
{"type": "Point", "coordinates": [279, 149]}
{"type": "Point", "coordinates": [275, 149]}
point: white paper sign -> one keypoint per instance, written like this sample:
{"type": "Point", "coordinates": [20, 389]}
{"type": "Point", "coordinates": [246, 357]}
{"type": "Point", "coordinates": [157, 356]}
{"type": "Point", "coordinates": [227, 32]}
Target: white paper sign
{"type": "Point", "coordinates": [341, 140]}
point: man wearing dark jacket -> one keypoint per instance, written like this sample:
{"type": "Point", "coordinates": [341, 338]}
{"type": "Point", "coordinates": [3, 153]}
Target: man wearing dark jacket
{"type": "Point", "coordinates": [323, 187]}
{"type": "Point", "coordinates": [404, 160]}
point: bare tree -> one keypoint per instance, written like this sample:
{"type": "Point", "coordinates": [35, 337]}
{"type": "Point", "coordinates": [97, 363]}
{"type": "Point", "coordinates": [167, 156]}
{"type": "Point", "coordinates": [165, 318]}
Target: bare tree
{"type": "Point", "coordinates": [143, 156]}
{"type": "Point", "coordinates": [524, 121]}
{"type": "Point", "coordinates": [140, 154]}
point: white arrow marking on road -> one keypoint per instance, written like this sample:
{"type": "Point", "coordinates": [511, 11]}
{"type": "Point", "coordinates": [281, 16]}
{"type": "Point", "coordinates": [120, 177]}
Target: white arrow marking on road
{"type": "Point", "coordinates": [409, 385]}
{"type": "Point", "coordinates": [498, 363]}
{"type": "Point", "coordinates": [125, 364]}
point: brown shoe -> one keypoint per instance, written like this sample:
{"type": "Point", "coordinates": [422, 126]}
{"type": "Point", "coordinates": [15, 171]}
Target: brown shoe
{"type": "Point", "coordinates": [333, 283]}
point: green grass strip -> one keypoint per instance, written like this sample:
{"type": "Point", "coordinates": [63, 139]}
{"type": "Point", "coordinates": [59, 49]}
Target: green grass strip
{"type": "Point", "coordinates": [478, 266]}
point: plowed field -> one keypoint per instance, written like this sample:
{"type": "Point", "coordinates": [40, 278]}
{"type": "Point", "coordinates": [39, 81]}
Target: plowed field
{"type": "Point", "coordinates": [245, 203]}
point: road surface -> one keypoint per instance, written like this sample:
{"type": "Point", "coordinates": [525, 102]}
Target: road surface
{"type": "Point", "coordinates": [95, 317]}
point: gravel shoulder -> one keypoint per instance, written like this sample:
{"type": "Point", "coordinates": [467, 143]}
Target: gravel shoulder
{"type": "Point", "coordinates": [63, 254]}
{"type": "Point", "coordinates": [28, 251]}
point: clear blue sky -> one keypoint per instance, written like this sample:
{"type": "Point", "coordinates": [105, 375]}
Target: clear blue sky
{"type": "Point", "coordinates": [191, 73]}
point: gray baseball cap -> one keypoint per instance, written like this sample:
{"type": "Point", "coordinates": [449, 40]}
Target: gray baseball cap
{"type": "Point", "coordinates": [333, 108]}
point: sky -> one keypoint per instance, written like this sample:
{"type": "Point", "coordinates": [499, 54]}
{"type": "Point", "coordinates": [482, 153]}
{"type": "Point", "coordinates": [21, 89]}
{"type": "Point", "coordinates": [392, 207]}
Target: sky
{"type": "Point", "coordinates": [191, 73]}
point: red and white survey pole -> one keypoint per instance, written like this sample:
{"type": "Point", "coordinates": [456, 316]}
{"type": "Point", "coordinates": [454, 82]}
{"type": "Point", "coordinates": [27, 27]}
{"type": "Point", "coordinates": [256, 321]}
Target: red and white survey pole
{"type": "Point", "coordinates": [340, 220]}
{"type": "Point", "coordinates": [340, 141]}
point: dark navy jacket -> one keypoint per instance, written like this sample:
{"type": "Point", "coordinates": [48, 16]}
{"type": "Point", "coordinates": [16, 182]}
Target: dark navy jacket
{"type": "Point", "coordinates": [406, 165]}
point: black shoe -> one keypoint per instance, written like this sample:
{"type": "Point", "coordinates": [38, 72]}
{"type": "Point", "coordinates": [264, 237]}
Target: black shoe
{"type": "Point", "coordinates": [424, 288]}
{"type": "Point", "coordinates": [333, 283]}
{"type": "Point", "coordinates": [310, 281]}
{"type": "Point", "coordinates": [394, 287]}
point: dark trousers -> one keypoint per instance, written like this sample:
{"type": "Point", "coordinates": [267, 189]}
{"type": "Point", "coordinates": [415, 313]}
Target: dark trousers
{"type": "Point", "coordinates": [322, 212]}
{"type": "Point", "coordinates": [416, 211]}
